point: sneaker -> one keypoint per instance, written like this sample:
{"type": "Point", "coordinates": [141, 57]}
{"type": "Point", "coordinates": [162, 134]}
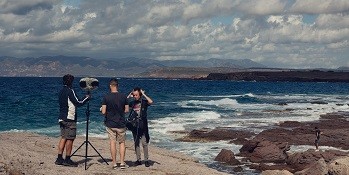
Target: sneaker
{"type": "Point", "coordinates": [138, 163]}
{"type": "Point", "coordinates": [70, 163]}
{"type": "Point", "coordinates": [115, 166]}
{"type": "Point", "coordinates": [146, 163]}
{"type": "Point", "coordinates": [123, 166]}
{"type": "Point", "coordinates": [59, 161]}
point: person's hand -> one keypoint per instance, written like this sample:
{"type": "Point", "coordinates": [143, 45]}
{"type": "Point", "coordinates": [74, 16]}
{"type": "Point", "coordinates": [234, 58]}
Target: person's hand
{"type": "Point", "coordinates": [142, 91]}
{"type": "Point", "coordinates": [88, 96]}
{"type": "Point", "coordinates": [130, 94]}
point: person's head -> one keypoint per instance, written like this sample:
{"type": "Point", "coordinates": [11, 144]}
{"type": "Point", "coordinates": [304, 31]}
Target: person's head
{"type": "Point", "coordinates": [113, 83]}
{"type": "Point", "coordinates": [316, 127]}
{"type": "Point", "coordinates": [68, 80]}
{"type": "Point", "coordinates": [137, 93]}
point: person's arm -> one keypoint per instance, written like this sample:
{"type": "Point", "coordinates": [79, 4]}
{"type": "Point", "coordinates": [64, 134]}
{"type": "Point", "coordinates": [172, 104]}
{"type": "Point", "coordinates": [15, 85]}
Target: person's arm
{"type": "Point", "coordinates": [75, 100]}
{"type": "Point", "coordinates": [150, 101]}
{"type": "Point", "coordinates": [104, 109]}
{"type": "Point", "coordinates": [127, 108]}
{"type": "Point", "coordinates": [130, 95]}
{"type": "Point", "coordinates": [104, 106]}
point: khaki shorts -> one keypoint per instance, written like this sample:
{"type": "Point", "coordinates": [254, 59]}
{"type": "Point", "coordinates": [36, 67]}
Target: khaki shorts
{"type": "Point", "coordinates": [68, 130]}
{"type": "Point", "coordinates": [117, 134]}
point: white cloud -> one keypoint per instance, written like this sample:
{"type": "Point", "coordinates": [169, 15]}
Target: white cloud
{"type": "Point", "coordinates": [320, 6]}
{"type": "Point", "coordinates": [262, 7]}
{"type": "Point", "coordinates": [332, 21]}
{"type": "Point", "coordinates": [339, 45]}
{"type": "Point", "coordinates": [272, 32]}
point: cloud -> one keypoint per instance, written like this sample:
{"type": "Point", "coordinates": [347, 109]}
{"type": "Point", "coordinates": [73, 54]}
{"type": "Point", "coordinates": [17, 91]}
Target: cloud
{"type": "Point", "coordinates": [19, 7]}
{"type": "Point", "coordinates": [262, 7]}
{"type": "Point", "coordinates": [272, 32]}
{"type": "Point", "coordinates": [320, 6]}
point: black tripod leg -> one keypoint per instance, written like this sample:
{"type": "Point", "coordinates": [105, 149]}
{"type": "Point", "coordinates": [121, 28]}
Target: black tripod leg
{"type": "Point", "coordinates": [78, 148]}
{"type": "Point", "coordinates": [98, 153]}
{"type": "Point", "coordinates": [86, 154]}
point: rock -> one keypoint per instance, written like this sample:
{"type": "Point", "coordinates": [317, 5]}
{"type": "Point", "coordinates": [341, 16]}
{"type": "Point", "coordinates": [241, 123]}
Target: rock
{"type": "Point", "coordinates": [339, 166]}
{"type": "Point", "coordinates": [301, 160]}
{"type": "Point", "coordinates": [248, 147]}
{"type": "Point", "coordinates": [204, 135]}
{"type": "Point", "coordinates": [319, 102]}
{"type": "Point", "coordinates": [276, 172]}
{"type": "Point", "coordinates": [265, 151]}
{"type": "Point", "coordinates": [317, 168]}
{"type": "Point", "coordinates": [227, 156]}
{"type": "Point", "coordinates": [238, 169]}
{"type": "Point", "coordinates": [239, 141]}
{"type": "Point", "coordinates": [263, 167]}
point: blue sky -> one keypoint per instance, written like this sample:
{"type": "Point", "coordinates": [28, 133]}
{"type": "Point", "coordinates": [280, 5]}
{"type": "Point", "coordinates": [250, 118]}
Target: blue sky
{"type": "Point", "coordinates": [276, 33]}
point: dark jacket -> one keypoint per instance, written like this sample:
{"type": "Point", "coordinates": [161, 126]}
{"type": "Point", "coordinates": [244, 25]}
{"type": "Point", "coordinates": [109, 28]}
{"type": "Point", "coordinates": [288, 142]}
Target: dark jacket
{"type": "Point", "coordinates": [142, 124]}
{"type": "Point", "coordinates": [68, 101]}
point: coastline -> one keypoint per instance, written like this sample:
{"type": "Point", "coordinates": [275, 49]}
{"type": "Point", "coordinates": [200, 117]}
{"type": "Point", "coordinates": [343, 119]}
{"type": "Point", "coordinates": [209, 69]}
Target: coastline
{"type": "Point", "coordinates": [271, 149]}
{"type": "Point", "coordinates": [30, 153]}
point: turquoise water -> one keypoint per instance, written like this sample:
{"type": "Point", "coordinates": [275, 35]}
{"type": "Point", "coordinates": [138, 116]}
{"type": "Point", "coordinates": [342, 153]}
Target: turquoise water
{"type": "Point", "coordinates": [31, 104]}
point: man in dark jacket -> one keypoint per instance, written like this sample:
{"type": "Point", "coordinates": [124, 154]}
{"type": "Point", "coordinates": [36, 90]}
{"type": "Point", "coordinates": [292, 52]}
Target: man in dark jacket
{"type": "Point", "coordinates": [68, 102]}
{"type": "Point", "coordinates": [140, 131]}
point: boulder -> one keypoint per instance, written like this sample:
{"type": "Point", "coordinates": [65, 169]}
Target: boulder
{"type": "Point", "coordinates": [265, 151]}
{"type": "Point", "coordinates": [227, 156]}
{"type": "Point", "coordinates": [301, 160]}
{"type": "Point", "coordinates": [206, 135]}
{"type": "Point", "coordinates": [316, 168]}
{"type": "Point", "coordinates": [339, 166]}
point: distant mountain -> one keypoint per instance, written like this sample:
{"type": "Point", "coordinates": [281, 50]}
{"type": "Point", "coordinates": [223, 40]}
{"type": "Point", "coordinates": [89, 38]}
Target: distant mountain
{"type": "Point", "coordinates": [119, 67]}
{"type": "Point", "coordinates": [343, 68]}
{"type": "Point", "coordinates": [214, 62]}
{"type": "Point", "coordinates": [290, 76]}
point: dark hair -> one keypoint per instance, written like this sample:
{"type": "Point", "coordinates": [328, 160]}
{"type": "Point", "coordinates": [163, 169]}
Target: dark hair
{"type": "Point", "coordinates": [138, 89]}
{"type": "Point", "coordinates": [68, 80]}
{"type": "Point", "coordinates": [316, 127]}
{"type": "Point", "coordinates": [114, 82]}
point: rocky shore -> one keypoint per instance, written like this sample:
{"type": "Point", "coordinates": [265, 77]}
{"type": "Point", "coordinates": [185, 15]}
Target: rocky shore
{"type": "Point", "coordinates": [269, 152]}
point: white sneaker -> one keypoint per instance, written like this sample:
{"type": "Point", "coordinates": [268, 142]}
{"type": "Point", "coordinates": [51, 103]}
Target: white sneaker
{"type": "Point", "coordinates": [123, 166]}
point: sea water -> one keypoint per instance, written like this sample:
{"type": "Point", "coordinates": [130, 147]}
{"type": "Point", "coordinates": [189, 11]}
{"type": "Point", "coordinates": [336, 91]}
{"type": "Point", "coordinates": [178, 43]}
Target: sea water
{"type": "Point", "coordinates": [31, 104]}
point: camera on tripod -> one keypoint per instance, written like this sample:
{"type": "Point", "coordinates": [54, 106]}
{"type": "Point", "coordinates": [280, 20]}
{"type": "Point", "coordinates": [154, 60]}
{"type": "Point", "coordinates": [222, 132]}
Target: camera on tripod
{"type": "Point", "coordinates": [88, 83]}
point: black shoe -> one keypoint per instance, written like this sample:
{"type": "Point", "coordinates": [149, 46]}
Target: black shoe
{"type": "Point", "coordinates": [146, 163]}
{"type": "Point", "coordinates": [59, 161]}
{"type": "Point", "coordinates": [138, 163]}
{"type": "Point", "coordinates": [70, 163]}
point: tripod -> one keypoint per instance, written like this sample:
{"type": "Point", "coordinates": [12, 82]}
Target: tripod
{"type": "Point", "coordinates": [86, 142]}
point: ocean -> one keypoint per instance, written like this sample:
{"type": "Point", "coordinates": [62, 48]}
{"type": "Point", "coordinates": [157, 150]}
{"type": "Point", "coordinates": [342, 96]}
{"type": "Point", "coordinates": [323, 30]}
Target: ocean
{"type": "Point", "coordinates": [31, 104]}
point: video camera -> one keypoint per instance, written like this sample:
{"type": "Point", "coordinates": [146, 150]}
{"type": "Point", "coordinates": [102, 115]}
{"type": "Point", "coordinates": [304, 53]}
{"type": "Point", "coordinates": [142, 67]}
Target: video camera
{"type": "Point", "coordinates": [89, 84]}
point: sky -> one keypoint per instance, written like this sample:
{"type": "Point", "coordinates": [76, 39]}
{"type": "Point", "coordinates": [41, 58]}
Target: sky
{"type": "Point", "coordinates": [276, 33]}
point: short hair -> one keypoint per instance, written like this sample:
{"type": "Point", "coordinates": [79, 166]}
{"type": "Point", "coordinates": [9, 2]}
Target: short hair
{"type": "Point", "coordinates": [68, 80]}
{"type": "Point", "coordinates": [139, 90]}
{"type": "Point", "coordinates": [114, 82]}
